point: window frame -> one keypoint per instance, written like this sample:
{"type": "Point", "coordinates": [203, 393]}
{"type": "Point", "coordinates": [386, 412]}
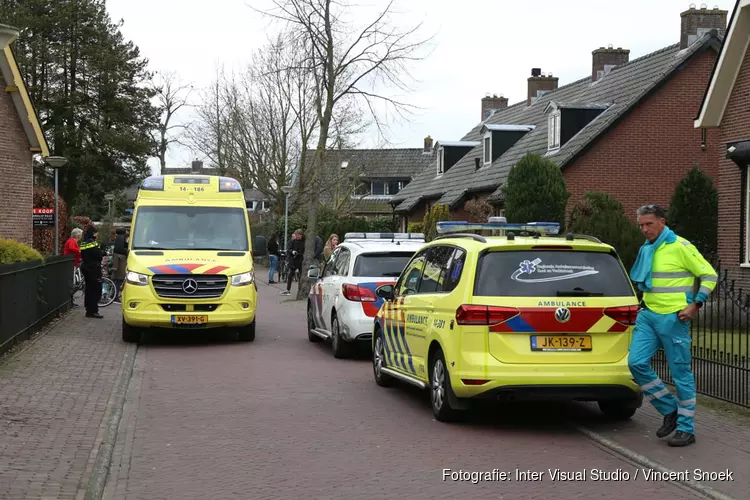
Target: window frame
{"type": "Point", "coordinates": [554, 123]}
{"type": "Point", "coordinates": [401, 278]}
{"type": "Point", "coordinates": [746, 221]}
{"type": "Point", "coordinates": [440, 161]}
{"type": "Point", "coordinates": [487, 148]}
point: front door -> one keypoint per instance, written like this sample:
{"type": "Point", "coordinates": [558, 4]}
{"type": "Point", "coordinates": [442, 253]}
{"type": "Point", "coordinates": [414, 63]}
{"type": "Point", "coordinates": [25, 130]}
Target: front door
{"type": "Point", "coordinates": [332, 284]}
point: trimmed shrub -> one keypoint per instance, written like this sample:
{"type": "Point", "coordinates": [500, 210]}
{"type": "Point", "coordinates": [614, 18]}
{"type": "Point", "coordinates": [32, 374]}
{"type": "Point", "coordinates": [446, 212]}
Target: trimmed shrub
{"type": "Point", "coordinates": [414, 227]}
{"type": "Point", "coordinates": [535, 192]}
{"type": "Point", "coordinates": [12, 251]}
{"type": "Point", "coordinates": [436, 214]}
{"type": "Point", "coordinates": [478, 210]}
{"type": "Point", "coordinates": [600, 215]}
{"type": "Point", "coordinates": [694, 211]}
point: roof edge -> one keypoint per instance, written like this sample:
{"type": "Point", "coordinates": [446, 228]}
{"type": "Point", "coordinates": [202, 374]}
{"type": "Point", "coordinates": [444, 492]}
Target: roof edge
{"type": "Point", "coordinates": [32, 118]}
{"type": "Point", "coordinates": [709, 42]}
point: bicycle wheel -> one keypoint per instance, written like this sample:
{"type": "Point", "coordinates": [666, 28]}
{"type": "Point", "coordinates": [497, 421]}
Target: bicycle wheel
{"type": "Point", "coordinates": [109, 292]}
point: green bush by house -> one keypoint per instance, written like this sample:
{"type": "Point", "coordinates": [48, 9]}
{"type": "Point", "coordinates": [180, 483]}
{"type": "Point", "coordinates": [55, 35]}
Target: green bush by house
{"type": "Point", "coordinates": [429, 224]}
{"type": "Point", "coordinates": [694, 211]}
{"type": "Point", "coordinates": [12, 251]}
{"type": "Point", "coordinates": [535, 192]}
{"type": "Point", "coordinates": [600, 215]}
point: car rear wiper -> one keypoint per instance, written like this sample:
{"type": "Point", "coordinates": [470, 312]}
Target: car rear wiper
{"type": "Point", "coordinates": [578, 292]}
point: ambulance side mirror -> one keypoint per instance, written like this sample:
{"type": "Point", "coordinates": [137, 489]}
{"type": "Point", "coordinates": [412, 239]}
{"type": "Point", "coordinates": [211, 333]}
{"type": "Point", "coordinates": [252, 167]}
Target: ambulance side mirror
{"type": "Point", "coordinates": [385, 291]}
{"type": "Point", "coordinates": [313, 272]}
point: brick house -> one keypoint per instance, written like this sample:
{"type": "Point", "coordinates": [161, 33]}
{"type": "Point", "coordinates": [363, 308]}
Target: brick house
{"type": "Point", "coordinates": [625, 129]}
{"type": "Point", "coordinates": [725, 111]}
{"type": "Point", "coordinates": [364, 181]}
{"type": "Point", "coordinates": [21, 139]}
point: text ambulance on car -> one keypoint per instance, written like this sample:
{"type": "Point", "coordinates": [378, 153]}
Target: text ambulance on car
{"type": "Point", "coordinates": [342, 304]}
{"type": "Point", "coordinates": [190, 262]}
{"type": "Point", "coordinates": [515, 316]}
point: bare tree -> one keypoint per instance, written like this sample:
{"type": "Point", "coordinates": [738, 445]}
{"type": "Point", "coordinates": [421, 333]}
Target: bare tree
{"type": "Point", "coordinates": [172, 95]}
{"type": "Point", "coordinates": [345, 62]}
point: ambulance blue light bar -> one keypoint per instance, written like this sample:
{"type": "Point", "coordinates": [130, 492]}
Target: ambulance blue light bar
{"type": "Point", "coordinates": [463, 226]}
{"type": "Point", "coordinates": [153, 183]}
{"type": "Point", "coordinates": [227, 184]}
{"type": "Point", "coordinates": [384, 236]}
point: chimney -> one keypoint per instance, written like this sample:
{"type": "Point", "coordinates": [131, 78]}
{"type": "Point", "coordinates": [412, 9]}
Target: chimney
{"type": "Point", "coordinates": [604, 60]}
{"type": "Point", "coordinates": [697, 22]}
{"type": "Point", "coordinates": [197, 166]}
{"type": "Point", "coordinates": [490, 104]}
{"type": "Point", "coordinates": [427, 145]}
{"type": "Point", "coordinates": [539, 84]}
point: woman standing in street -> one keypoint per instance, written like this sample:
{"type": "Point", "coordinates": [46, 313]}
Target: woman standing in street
{"type": "Point", "coordinates": [273, 257]}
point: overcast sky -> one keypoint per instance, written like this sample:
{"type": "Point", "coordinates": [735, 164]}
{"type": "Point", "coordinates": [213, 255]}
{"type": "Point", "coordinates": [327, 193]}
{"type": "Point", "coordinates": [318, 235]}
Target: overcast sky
{"type": "Point", "coordinates": [479, 47]}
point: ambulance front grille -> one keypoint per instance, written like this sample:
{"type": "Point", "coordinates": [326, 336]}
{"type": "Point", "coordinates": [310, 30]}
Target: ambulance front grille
{"type": "Point", "coordinates": [178, 286]}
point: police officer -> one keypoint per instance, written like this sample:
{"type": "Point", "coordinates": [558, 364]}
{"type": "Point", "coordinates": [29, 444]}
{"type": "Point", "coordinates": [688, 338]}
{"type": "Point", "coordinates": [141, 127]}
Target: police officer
{"type": "Point", "coordinates": [665, 271]}
{"type": "Point", "coordinates": [91, 268]}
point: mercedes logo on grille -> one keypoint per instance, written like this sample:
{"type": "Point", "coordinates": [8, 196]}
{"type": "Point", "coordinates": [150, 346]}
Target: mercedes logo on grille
{"type": "Point", "coordinates": [189, 286]}
{"type": "Point", "coordinates": [562, 315]}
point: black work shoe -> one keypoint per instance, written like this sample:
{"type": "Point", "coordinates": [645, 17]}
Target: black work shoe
{"type": "Point", "coordinates": [94, 315]}
{"type": "Point", "coordinates": [681, 438]}
{"type": "Point", "coordinates": [669, 425]}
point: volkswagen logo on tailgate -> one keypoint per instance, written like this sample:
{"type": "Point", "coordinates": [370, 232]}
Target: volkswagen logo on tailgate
{"type": "Point", "coordinates": [190, 286]}
{"type": "Point", "coordinates": [562, 314]}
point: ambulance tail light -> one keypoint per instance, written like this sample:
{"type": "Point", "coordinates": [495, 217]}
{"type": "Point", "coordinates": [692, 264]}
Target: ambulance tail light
{"type": "Point", "coordinates": [357, 293]}
{"type": "Point", "coordinates": [470, 315]}
{"type": "Point", "coordinates": [625, 315]}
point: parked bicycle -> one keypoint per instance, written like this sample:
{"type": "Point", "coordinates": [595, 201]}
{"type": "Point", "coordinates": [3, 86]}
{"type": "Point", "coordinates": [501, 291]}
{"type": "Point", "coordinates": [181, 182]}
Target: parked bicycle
{"type": "Point", "coordinates": [283, 268]}
{"type": "Point", "coordinates": [109, 289]}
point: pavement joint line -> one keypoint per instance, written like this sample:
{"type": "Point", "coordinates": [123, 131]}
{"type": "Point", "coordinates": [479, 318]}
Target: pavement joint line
{"type": "Point", "coordinates": [644, 461]}
{"type": "Point", "coordinates": [110, 423]}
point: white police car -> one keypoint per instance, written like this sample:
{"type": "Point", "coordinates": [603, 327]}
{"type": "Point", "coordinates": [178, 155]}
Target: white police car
{"type": "Point", "coordinates": [342, 304]}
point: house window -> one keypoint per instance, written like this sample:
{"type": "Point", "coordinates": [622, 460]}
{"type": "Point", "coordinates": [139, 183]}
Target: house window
{"type": "Point", "coordinates": [488, 148]}
{"type": "Point", "coordinates": [553, 141]}
{"type": "Point", "coordinates": [265, 205]}
{"type": "Point", "coordinates": [378, 188]}
{"type": "Point", "coordinates": [747, 220]}
{"type": "Point", "coordinates": [440, 161]}
{"type": "Point", "coordinates": [362, 189]}
{"type": "Point", "coordinates": [394, 187]}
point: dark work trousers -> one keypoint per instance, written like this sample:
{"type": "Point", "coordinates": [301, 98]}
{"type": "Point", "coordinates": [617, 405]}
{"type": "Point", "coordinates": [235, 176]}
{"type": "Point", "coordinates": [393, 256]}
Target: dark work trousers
{"type": "Point", "coordinates": [294, 265]}
{"type": "Point", "coordinates": [93, 291]}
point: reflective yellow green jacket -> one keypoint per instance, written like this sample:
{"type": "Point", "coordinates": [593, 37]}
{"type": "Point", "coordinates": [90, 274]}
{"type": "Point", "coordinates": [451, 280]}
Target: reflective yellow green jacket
{"type": "Point", "coordinates": [673, 274]}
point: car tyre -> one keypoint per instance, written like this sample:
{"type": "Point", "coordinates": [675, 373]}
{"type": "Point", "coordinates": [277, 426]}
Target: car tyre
{"type": "Point", "coordinates": [340, 347]}
{"type": "Point", "coordinates": [378, 361]}
{"type": "Point", "coordinates": [311, 324]}
{"type": "Point", "coordinates": [247, 333]}
{"type": "Point", "coordinates": [441, 392]}
{"type": "Point", "coordinates": [618, 409]}
{"type": "Point", "coordinates": [130, 333]}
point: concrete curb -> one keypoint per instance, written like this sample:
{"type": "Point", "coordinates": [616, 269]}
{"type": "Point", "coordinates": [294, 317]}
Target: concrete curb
{"type": "Point", "coordinates": [643, 461]}
{"type": "Point", "coordinates": [110, 423]}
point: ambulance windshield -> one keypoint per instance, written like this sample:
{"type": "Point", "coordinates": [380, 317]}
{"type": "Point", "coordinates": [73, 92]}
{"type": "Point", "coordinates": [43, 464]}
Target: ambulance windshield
{"type": "Point", "coordinates": [190, 228]}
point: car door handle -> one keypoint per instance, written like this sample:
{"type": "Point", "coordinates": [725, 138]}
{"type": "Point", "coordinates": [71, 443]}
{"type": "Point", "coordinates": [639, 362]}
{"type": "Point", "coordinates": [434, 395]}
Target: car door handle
{"type": "Point", "coordinates": [430, 308]}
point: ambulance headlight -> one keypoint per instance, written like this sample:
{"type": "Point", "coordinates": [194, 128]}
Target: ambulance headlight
{"type": "Point", "coordinates": [243, 279]}
{"type": "Point", "coordinates": [135, 278]}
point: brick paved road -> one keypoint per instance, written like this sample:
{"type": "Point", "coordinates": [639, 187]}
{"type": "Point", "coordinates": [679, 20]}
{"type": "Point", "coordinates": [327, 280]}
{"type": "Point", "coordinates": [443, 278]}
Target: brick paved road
{"type": "Point", "coordinates": [53, 397]}
{"type": "Point", "coordinates": [280, 418]}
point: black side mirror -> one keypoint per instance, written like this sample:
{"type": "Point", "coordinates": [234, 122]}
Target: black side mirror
{"type": "Point", "coordinates": [385, 291]}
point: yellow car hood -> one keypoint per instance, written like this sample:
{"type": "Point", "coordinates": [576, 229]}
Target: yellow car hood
{"type": "Point", "coordinates": [189, 262]}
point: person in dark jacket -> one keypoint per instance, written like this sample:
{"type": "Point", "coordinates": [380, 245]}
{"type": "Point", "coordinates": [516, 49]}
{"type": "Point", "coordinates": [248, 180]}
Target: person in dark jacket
{"type": "Point", "coordinates": [119, 260]}
{"type": "Point", "coordinates": [295, 253]}
{"type": "Point", "coordinates": [273, 257]}
{"type": "Point", "coordinates": [91, 268]}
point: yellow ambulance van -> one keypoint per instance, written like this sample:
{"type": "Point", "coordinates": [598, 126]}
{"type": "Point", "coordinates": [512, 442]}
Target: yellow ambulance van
{"type": "Point", "coordinates": [190, 262]}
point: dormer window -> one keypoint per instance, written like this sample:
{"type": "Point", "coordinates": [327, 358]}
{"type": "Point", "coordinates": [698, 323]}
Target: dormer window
{"type": "Point", "coordinates": [450, 152]}
{"type": "Point", "coordinates": [487, 149]}
{"type": "Point", "coordinates": [553, 139]}
{"type": "Point", "coordinates": [577, 116]}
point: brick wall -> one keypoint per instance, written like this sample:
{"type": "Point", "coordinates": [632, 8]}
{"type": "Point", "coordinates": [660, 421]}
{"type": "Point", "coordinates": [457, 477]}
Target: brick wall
{"type": "Point", "coordinates": [734, 127]}
{"type": "Point", "coordinates": [16, 190]}
{"type": "Point", "coordinates": [643, 158]}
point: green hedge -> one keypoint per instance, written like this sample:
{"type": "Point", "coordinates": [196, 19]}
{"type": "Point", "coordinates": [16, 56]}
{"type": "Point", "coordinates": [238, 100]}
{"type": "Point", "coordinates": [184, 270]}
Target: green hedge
{"type": "Point", "coordinates": [12, 251]}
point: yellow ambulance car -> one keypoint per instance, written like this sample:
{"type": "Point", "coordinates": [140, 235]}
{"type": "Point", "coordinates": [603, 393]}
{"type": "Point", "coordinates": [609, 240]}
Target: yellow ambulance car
{"type": "Point", "coordinates": [190, 262]}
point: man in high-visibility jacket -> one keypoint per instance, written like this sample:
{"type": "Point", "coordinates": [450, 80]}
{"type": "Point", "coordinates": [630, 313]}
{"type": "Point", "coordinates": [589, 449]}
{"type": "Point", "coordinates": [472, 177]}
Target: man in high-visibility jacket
{"type": "Point", "coordinates": [665, 271]}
